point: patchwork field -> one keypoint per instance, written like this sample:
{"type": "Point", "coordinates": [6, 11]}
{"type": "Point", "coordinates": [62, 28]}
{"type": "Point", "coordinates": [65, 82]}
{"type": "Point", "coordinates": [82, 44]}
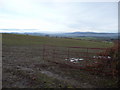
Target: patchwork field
{"type": "Point", "coordinates": [25, 67]}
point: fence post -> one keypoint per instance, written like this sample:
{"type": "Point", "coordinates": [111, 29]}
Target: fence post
{"type": "Point", "coordinates": [43, 52]}
{"type": "Point", "coordinates": [68, 53]}
{"type": "Point", "coordinates": [87, 56]}
{"type": "Point", "coordinates": [53, 54]}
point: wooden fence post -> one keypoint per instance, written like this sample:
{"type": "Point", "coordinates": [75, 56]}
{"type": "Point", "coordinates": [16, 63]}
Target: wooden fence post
{"type": "Point", "coordinates": [53, 54]}
{"type": "Point", "coordinates": [43, 52]}
{"type": "Point", "coordinates": [68, 53]}
{"type": "Point", "coordinates": [87, 56]}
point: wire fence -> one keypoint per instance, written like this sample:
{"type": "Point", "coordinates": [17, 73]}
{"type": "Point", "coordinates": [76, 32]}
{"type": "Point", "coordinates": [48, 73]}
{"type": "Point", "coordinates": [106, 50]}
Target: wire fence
{"type": "Point", "coordinates": [79, 58]}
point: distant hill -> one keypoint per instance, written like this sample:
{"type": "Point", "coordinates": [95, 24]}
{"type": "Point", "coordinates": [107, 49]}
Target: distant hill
{"type": "Point", "coordinates": [81, 32]}
{"type": "Point", "coordinates": [91, 34]}
{"type": "Point", "coordinates": [75, 34]}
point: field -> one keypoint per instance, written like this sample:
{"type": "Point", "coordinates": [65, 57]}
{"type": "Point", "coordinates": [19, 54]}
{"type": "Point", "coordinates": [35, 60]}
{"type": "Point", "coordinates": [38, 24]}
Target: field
{"type": "Point", "coordinates": [25, 67]}
{"type": "Point", "coordinates": [24, 40]}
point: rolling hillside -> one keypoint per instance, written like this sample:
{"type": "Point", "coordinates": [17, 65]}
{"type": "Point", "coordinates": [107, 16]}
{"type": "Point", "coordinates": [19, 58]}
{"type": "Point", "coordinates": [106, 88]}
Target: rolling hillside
{"type": "Point", "coordinates": [16, 39]}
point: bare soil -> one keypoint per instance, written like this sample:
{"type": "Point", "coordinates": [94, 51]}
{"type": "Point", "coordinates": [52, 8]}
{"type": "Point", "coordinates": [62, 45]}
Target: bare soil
{"type": "Point", "coordinates": [24, 67]}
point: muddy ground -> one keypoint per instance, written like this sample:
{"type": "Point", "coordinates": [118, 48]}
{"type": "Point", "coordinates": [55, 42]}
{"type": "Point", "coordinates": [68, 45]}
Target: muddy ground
{"type": "Point", "coordinates": [24, 67]}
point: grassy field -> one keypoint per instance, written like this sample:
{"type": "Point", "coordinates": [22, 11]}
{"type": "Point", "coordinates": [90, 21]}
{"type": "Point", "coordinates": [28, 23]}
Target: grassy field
{"type": "Point", "coordinates": [22, 40]}
{"type": "Point", "coordinates": [24, 66]}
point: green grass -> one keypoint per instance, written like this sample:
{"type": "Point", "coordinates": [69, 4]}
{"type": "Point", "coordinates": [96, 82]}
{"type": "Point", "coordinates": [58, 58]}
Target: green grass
{"type": "Point", "coordinates": [86, 38]}
{"type": "Point", "coordinates": [25, 40]}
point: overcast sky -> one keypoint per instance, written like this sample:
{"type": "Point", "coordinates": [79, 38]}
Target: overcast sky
{"type": "Point", "coordinates": [58, 16]}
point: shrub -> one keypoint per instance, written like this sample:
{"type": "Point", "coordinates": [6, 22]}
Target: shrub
{"type": "Point", "coordinates": [111, 64]}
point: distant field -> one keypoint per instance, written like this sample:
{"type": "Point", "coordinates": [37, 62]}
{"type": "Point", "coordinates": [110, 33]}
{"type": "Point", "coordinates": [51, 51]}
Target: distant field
{"type": "Point", "coordinates": [15, 39]}
{"type": "Point", "coordinates": [89, 38]}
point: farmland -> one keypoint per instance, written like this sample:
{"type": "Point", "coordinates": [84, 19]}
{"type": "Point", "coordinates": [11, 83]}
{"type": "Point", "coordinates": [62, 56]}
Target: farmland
{"type": "Point", "coordinates": [25, 67]}
{"type": "Point", "coordinates": [24, 40]}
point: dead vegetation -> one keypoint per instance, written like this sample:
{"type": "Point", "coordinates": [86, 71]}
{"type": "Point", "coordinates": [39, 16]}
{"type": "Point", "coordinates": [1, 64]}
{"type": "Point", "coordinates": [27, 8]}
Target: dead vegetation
{"type": "Point", "coordinates": [23, 67]}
